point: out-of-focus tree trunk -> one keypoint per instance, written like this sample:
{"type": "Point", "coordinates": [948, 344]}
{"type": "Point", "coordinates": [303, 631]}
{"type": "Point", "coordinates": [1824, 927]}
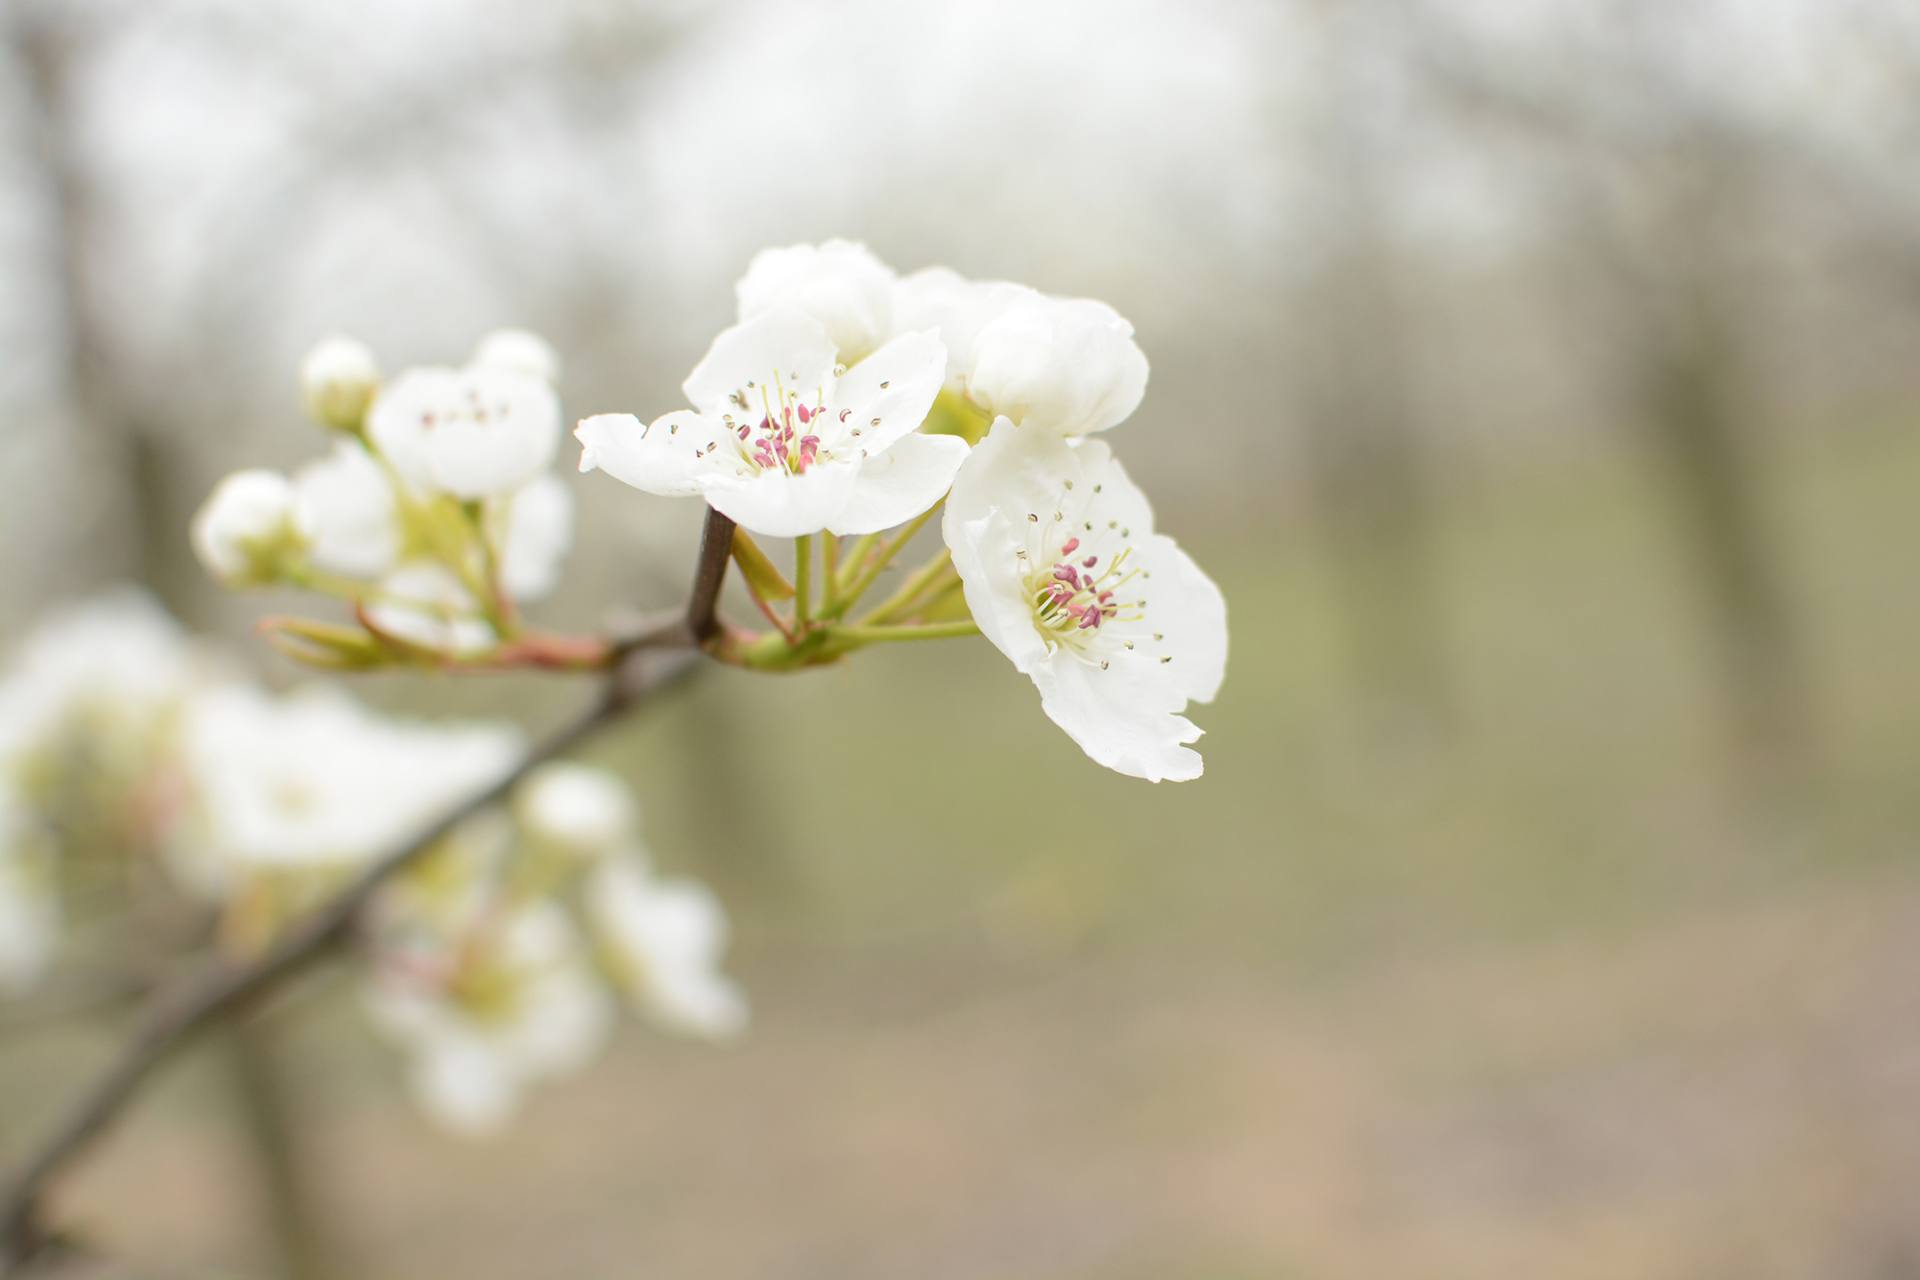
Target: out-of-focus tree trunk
{"type": "Point", "coordinates": [270, 1125]}
{"type": "Point", "coordinates": [129, 535]}
{"type": "Point", "coordinates": [1365, 461]}
{"type": "Point", "coordinates": [1688, 348]}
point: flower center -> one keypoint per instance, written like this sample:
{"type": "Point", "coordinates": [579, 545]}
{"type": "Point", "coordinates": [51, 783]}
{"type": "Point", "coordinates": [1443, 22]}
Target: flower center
{"type": "Point", "coordinates": [474, 410]}
{"type": "Point", "coordinates": [1079, 595]}
{"type": "Point", "coordinates": [787, 436]}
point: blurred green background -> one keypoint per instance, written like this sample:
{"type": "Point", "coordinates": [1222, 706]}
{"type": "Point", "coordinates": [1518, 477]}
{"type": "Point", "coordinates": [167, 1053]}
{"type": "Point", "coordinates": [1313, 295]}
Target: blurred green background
{"type": "Point", "coordinates": [1541, 388]}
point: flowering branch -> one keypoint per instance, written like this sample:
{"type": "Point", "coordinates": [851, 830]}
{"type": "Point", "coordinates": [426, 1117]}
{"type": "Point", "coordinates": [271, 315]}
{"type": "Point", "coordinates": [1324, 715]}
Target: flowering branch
{"type": "Point", "coordinates": [185, 1009]}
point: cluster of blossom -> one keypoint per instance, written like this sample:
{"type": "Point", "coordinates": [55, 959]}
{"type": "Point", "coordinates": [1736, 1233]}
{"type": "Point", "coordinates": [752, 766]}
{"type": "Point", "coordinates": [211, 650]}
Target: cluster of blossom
{"type": "Point", "coordinates": [434, 513]}
{"type": "Point", "coordinates": [849, 399]}
{"type": "Point", "coordinates": [847, 402]}
{"type": "Point", "coordinates": [141, 780]}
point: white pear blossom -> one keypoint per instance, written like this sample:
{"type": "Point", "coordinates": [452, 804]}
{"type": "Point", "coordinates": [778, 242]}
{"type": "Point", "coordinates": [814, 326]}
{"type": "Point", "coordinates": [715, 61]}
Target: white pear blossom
{"type": "Point", "coordinates": [534, 530]}
{"type": "Point", "coordinates": [507, 1002]}
{"type": "Point", "coordinates": [576, 808]}
{"type": "Point", "coordinates": [338, 379]}
{"type": "Point", "coordinates": [1115, 624]}
{"type": "Point", "coordinates": [355, 518]}
{"type": "Point", "coordinates": [664, 940]}
{"type": "Point", "coordinates": [472, 433]}
{"type": "Point", "coordinates": [252, 528]}
{"type": "Point", "coordinates": [313, 780]}
{"type": "Point", "coordinates": [424, 603]}
{"type": "Point", "coordinates": [115, 663]}
{"type": "Point", "coordinates": [520, 351]}
{"type": "Point", "coordinates": [839, 283]}
{"type": "Point", "coordinates": [786, 443]}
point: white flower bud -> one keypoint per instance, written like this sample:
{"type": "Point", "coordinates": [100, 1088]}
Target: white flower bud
{"type": "Point", "coordinates": [338, 380]}
{"type": "Point", "coordinates": [251, 529]}
{"type": "Point", "coordinates": [1068, 366]}
{"type": "Point", "coordinates": [520, 350]}
{"type": "Point", "coordinates": [839, 283]}
{"type": "Point", "coordinates": [577, 809]}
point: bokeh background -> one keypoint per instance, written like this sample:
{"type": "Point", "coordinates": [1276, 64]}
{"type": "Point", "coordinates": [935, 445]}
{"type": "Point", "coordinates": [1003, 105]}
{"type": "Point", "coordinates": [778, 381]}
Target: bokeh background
{"type": "Point", "coordinates": [1541, 382]}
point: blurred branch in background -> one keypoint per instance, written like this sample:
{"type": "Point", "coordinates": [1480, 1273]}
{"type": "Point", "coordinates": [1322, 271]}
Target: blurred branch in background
{"type": "Point", "coordinates": [106, 426]}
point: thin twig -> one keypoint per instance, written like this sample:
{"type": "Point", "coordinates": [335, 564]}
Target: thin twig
{"type": "Point", "coordinates": [186, 1008]}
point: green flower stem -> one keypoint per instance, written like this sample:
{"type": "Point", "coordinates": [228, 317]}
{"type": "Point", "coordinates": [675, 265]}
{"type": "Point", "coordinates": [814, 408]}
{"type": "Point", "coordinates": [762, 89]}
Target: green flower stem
{"type": "Point", "coordinates": [486, 584]}
{"type": "Point", "coordinates": [803, 580]}
{"type": "Point", "coordinates": [308, 578]}
{"type": "Point", "coordinates": [830, 576]}
{"type": "Point", "coordinates": [890, 549]}
{"type": "Point", "coordinates": [854, 561]}
{"type": "Point", "coordinates": [901, 602]}
{"type": "Point", "coordinates": [856, 636]}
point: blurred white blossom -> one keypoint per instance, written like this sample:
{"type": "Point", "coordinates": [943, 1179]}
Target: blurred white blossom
{"type": "Point", "coordinates": [313, 780]}
{"type": "Point", "coordinates": [355, 517]}
{"type": "Point", "coordinates": [664, 939]}
{"type": "Point", "coordinates": [507, 1001]}
{"type": "Point", "coordinates": [472, 433]}
{"type": "Point", "coordinates": [253, 529]}
{"type": "Point", "coordinates": [576, 808]}
{"type": "Point", "coordinates": [426, 604]}
{"type": "Point", "coordinates": [534, 530]}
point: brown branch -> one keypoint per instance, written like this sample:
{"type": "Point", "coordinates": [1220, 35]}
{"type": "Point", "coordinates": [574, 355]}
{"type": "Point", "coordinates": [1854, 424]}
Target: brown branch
{"type": "Point", "coordinates": [186, 1008]}
{"type": "Point", "coordinates": [703, 602]}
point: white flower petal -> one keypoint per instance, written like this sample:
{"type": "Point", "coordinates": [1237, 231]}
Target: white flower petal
{"type": "Point", "coordinates": [777, 348]}
{"type": "Point", "coordinates": [1121, 717]}
{"type": "Point", "coordinates": [538, 530]}
{"type": "Point", "coordinates": [780, 504]}
{"type": "Point", "coordinates": [356, 530]}
{"type": "Point", "coordinates": [901, 483]}
{"type": "Point", "coordinates": [1192, 613]}
{"type": "Point", "coordinates": [655, 457]}
{"type": "Point", "coordinates": [888, 394]}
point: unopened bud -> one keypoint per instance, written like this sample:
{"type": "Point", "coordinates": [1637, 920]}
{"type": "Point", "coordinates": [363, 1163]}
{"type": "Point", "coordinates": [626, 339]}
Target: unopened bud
{"type": "Point", "coordinates": [337, 382]}
{"type": "Point", "coordinates": [252, 529]}
{"type": "Point", "coordinates": [521, 351]}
